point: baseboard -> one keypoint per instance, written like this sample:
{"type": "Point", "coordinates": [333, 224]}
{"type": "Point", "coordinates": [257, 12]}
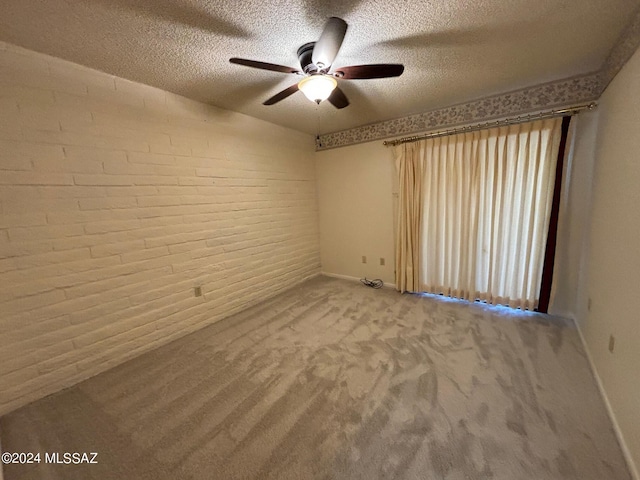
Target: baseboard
{"type": "Point", "coordinates": [353, 279]}
{"type": "Point", "coordinates": [616, 427]}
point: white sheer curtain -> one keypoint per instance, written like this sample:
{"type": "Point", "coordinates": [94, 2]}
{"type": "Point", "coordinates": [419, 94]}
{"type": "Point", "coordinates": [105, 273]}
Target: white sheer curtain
{"type": "Point", "coordinates": [486, 204]}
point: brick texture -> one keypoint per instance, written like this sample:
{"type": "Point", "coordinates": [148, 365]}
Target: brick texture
{"type": "Point", "coordinates": [116, 200]}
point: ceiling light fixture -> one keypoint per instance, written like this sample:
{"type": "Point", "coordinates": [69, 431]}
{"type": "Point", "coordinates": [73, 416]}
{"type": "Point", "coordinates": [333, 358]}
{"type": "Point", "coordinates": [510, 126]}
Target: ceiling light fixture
{"type": "Point", "coordinates": [317, 87]}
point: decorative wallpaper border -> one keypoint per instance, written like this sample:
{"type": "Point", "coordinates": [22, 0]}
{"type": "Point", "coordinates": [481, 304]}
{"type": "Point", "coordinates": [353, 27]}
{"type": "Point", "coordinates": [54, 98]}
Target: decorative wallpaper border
{"type": "Point", "coordinates": [622, 51]}
{"type": "Point", "coordinates": [558, 94]}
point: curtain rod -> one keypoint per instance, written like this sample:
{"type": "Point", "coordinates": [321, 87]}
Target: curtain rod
{"type": "Point", "coordinates": [497, 123]}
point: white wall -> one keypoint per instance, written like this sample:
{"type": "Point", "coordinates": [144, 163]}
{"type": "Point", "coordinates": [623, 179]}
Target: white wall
{"type": "Point", "coordinates": [613, 277]}
{"type": "Point", "coordinates": [355, 197]}
{"type": "Point", "coordinates": [116, 200]}
{"type": "Point", "coordinates": [574, 219]}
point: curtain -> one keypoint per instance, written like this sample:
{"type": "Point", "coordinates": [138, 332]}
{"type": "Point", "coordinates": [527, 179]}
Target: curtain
{"type": "Point", "coordinates": [486, 202]}
{"type": "Point", "coordinates": [409, 162]}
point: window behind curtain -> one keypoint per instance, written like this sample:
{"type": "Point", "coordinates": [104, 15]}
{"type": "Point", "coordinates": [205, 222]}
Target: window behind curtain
{"type": "Point", "coordinates": [487, 199]}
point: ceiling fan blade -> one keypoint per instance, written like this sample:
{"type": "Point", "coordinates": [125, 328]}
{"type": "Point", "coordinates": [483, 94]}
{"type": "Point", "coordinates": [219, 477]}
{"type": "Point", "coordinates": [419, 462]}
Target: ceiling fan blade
{"type": "Point", "coordinates": [282, 95]}
{"type": "Point", "coordinates": [338, 99]}
{"type": "Point", "coordinates": [263, 65]}
{"type": "Point", "coordinates": [361, 72]}
{"type": "Point", "coordinates": [327, 47]}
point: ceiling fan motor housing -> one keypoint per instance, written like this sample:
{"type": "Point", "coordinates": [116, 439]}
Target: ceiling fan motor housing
{"type": "Point", "coordinates": [304, 56]}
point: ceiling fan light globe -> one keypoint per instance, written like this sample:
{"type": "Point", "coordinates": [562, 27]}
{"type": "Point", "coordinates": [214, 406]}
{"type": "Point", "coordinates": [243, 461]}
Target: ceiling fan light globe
{"type": "Point", "coordinates": [317, 87]}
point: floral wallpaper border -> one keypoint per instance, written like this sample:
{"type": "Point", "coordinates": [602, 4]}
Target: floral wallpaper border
{"type": "Point", "coordinates": [622, 51]}
{"type": "Point", "coordinates": [557, 94]}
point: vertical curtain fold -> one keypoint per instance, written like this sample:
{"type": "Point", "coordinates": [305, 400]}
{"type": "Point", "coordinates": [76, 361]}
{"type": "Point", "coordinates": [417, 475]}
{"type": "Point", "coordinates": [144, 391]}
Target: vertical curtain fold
{"type": "Point", "coordinates": [479, 230]}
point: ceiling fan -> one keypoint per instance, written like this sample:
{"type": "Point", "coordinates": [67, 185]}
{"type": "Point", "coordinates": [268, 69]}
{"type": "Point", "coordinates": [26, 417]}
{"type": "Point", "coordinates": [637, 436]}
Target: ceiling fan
{"type": "Point", "coordinates": [316, 58]}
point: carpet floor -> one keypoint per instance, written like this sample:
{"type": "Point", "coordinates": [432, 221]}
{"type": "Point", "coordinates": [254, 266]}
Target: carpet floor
{"type": "Point", "coordinates": [334, 380]}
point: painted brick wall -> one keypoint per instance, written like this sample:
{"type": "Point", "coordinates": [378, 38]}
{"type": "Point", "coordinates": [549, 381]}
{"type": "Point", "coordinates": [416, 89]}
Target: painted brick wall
{"type": "Point", "coordinates": [116, 200]}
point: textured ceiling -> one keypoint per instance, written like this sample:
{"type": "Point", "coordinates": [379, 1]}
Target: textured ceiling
{"type": "Point", "coordinates": [453, 51]}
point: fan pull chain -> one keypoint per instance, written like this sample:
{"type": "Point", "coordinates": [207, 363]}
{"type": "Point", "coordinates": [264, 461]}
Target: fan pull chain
{"type": "Point", "coordinates": [318, 141]}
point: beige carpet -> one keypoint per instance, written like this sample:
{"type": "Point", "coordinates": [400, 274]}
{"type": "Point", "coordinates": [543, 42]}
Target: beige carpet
{"type": "Point", "coordinates": [334, 380]}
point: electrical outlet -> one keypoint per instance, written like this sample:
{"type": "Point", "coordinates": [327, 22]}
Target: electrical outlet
{"type": "Point", "coordinates": [589, 304]}
{"type": "Point", "coordinates": [197, 291]}
{"type": "Point", "coordinates": [364, 259]}
{"type": "Point", "coordinates": [382, 261]}
{"type": "Point", "coordinates": [612, 343]}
